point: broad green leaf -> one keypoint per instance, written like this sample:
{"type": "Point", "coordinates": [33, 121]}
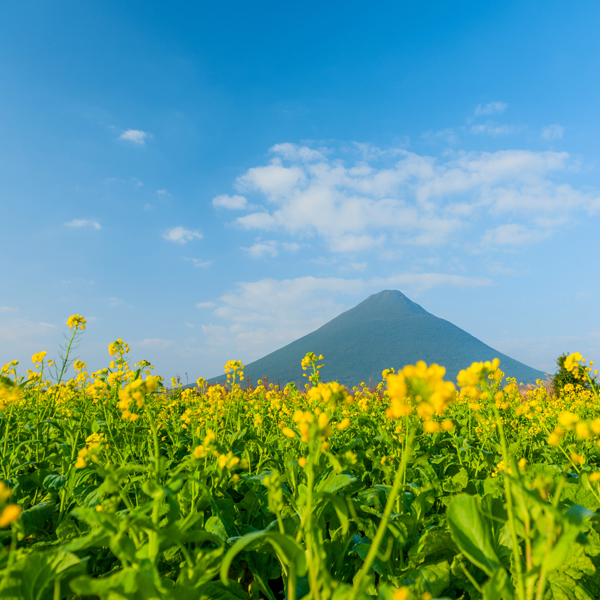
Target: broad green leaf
{"type": "Point", "coordinates": [498, 587]}
{"type": "Point", "coordinates": [33, 577]}
{"type": "Point", "coordinates": [215, 590]}
{"type": "Point", "coordinates": [457, 482]}
{"type": "Point", "coordinates": [433, 579]}
{"type": "Point", "coordinates": [287, 549]}
{"type": "Point", "coordinates": [35, 518]}
{"type": "Point", "coordinates": [335, 483]}
{"type": "Point", "coordinates": [215, 526]}
{"type": "Point", "coordinates": [472, 533]}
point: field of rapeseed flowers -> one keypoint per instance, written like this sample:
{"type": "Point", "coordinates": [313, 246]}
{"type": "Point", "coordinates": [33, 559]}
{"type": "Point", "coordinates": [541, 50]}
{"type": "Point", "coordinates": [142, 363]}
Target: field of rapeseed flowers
{"type": "Point", "coordinates": [116, 487]}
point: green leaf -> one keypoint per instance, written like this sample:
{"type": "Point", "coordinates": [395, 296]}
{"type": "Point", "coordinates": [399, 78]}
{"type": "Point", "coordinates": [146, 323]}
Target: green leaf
{"type": "Point", "coordinates": [472, 533]}
{"type": "Point", "coordinates": [498, 587]}
{"type": "Point", "coordinates": [34, 576]}
{"type": "Point", "coordinates": [287, 549]}
{"type": "Point", "coordinates": [215, 526]}
{"type": "Point", "coordinates": [457, 482]}
{"type": "Point", "coordinates": [433, 579]}
{"type": "Point", "coordinates": [564, 587]}
{"type": "Point", "coordinates": [123, 584]}
{"type": "Point", "coordinates": [35, 518]}
{"type": "Point", "coordinates": [335, 483]}
{"type": "Point", "coordinates": [215, 590]}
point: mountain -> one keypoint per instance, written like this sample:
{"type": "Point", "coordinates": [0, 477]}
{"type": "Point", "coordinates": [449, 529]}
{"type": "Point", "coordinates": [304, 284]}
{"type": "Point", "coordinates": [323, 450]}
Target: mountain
{"type": "Point", "coordinates": [386, 330]}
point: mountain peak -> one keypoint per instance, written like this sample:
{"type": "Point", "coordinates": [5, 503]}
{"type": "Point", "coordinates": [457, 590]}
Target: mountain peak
{"type": "Point", "coordinates": [385, 305]}
{"type": "Point", "coordinates": [385, 330]}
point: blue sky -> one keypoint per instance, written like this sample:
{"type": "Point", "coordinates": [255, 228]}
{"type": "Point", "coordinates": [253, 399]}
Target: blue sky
{"type": "Point", "coordinates": [211, 182]}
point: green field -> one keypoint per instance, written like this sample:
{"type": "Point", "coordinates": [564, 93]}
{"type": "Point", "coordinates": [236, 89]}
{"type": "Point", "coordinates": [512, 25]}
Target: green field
{"type": "Point", "coordinates": [114, 486]}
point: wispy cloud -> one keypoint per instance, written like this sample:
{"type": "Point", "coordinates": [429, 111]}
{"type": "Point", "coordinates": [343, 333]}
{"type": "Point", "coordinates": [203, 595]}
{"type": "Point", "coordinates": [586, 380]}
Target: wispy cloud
{"type": "Point", "coordinates": [91, 223]}
{"type": "Point", "coordinates": [492, 108]}
{"type": "Point", "coordinates": [270, 248]}
{"type": "Point", "coordinates": [552, 132]}
{"type": "Point", "coordinates": [199, 263]}
{"type": "Point", "coordinates": [494, 129]}
{"type": "Point", "coordinates": [230, 202]}
{"type": "Point", "coordinates": [8, 309]}
{"type": "Point", "coordinates": [402, 198]}
{"type": "Point", "coordinates": [135, 136]}
{"type": "Point", "coordinates": [205, 305]}
{"type": "Point", "coordinates": [180, 235]}
{"type": "Point", "coordinates": [261, 249]}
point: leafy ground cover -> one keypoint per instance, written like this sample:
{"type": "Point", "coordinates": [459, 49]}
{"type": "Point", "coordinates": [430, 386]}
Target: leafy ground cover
{"type": "Point", "coordinates": [114, 486]}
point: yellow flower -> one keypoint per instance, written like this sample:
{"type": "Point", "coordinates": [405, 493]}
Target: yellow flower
{"type": "Point", "coordinates": [594, 477]}
{"type": "Point", "coordinates": [288, 432]}
{"type": "Point", "coordinates": [38, 357]}
{"type": "Point", "coordinates": [553, 439]}
{"type": "Point", "coordinates": [571, 362]}
{"type": "Point", "coordinates": [9, 515]}
{"type": "Point", "coordinates": [566, 419]}
{"type": "Point", "coordinates": [76, 322]}
{"type": "Point", "coordinates": [302, 461]}
{"type": "Point", "coordinates": [582, 431]}
{"type": "Point", "coordinates": [401, 594]}
{"type": "Point", "coordinates": [5, 492]}
{"type": "Point", "coordinates": [577, 458]}
{"type": "Point", "coordinates": [199, 452]}
{"type": "Point", "coordinates": [431, 426]}
{"type": "Point", "coordinates": [344, 424]}
{"type": "Point", "coordinates": [447, 425]}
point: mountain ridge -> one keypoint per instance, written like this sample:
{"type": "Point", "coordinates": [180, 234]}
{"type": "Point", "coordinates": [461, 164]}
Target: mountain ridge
{"type": "Point", "coordinates": [385, 330]}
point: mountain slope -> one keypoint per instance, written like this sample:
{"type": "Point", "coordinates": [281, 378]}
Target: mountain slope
{"type": "Point", "coordinates": [386, 330]}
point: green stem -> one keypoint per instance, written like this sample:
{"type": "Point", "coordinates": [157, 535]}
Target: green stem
{"type": "Point", "coordinates": [372, 554]}
{"type": "Point", "coordinates": [509, 508]}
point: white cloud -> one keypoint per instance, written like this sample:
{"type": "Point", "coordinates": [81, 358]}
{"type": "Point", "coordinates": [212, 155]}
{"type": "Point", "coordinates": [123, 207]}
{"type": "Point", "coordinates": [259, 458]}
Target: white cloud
{"type": "Point", "coordinates": [513, 234]}
{"type": "Point", "coordinates": [494, 129]}
{"type": "Point", "coordinates": [552, 132]}
{"type": "Point", "coordinates": [114, 302]}
{"type": "Point", "coordinates": [403, 198]}
{"type": "Point", "coordinates": [180, 235]}
{"type": "Point", "coordinates": [22, 336]}
{"type": "Point", "coordinates": [136, 136]}
{"type": "Point", "coordinates": [260, 249]}
{"type": "Point", "coordinates": [154, 343]}
{"type": "Point", "coordinates": [84, 223]}
{"type": "Point", "coordinates": [230, 202]}
{"type": "Point", "coordinates": [354, 266]}
{"type": "Point", "coordinates": [492, 108]}
{"type": "Point", "coordinates": [447, 136]}
{"type": "Point", "coordinates": [297, 153]}
{"type": "Point", "coordinates": [8, 309]}
{"type": "Point", "coordinates": [161, 192]}
{"type": "Point", "coordinates": [199, 263]}
{"type": "Point", "coordinates": [291, 246]}
{"type": "Point", "coordinates": [205, 305]}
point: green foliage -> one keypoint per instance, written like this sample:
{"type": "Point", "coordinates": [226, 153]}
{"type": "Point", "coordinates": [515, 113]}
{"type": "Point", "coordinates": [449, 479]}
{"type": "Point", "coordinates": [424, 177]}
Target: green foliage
{"type": "Point", "coordinates": [563, 377]}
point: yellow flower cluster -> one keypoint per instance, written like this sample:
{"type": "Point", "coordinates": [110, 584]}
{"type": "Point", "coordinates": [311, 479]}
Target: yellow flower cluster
{"type": "Point", "coordinates": [38, 357]}
{"type": "Point", "coordinates": [135, 394]}
{"type": "Point", "coordinates": [94, 445]}
{"type": "Point", "coordinates": [470, 379]}
{"type": "Point", "coordinates": [234, 368]}
{"type": "Point", "coordinates": [10, 512]}
{"type": "Point", "coordinates": [118, 347]}
{"type": "Point", "coordinates": [76, 322]}
{"type": "Point", "coordinates": [421, 388]}
{"type": "Point", "coordinates": [9, 392]}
